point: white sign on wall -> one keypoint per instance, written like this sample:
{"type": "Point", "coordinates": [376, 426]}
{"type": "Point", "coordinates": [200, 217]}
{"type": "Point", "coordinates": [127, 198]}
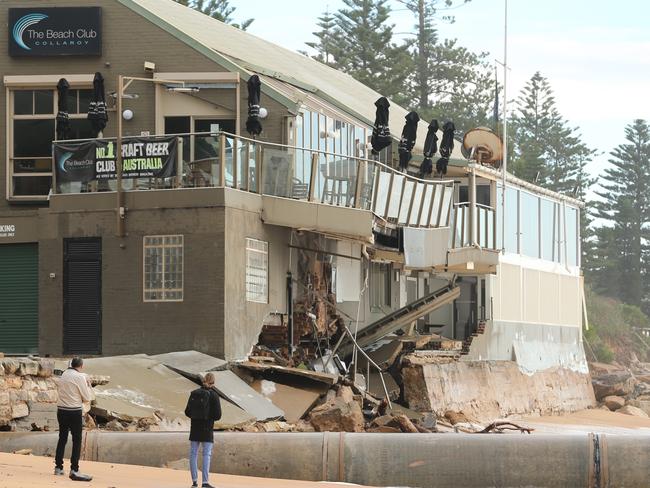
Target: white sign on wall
{"type": "Point", "coordinates": [7, 230]}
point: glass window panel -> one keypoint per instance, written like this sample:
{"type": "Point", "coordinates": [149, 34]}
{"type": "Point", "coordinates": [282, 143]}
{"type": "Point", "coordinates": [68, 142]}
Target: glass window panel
{"type": "Point", "coordinates": [23, 102]}
{"type": "Point", "coordinates": [33, 138]}
{"type": "Point", "coordinates": [256, 271]}
{"type": "Point", "coordinates": [571, 217]}
{"type": "Point", "coordinates": [85, 97]}
{"type": "Point", "coordinates": [446, 206]}
{"type": "Point", "coordinates": [81, 129]}
{"type": "Point", "coordinates": [435, 209]}
{"type": "Point", "coordinates": [163, 268]}
{"type": "Point", "coordinates": [395, 196]}
{"type": "Point", "coordinates": [406, 201]}
{"type": "Point", "coordinates": [300, 157]}
{"type": "Point", "coordinates": [32, 185]}
{"type": "Point", "coordinates": [529, 225]}
{"type": "Point", "coordinates": [558, 256]}
{"type": "Point", "coordinates": [72, 100]}
{"type": "Point", "coordinates": [512, 220]}
{"type": "Point", "coordinates": [547, 229]}
{"type": "Point", "coordinates": [43, 102]}
{"type": "Point", "coordinates": [32, 165]}
{"type": "Point", "coordinates": [382, 193]}
{"type": "Point", "coordinates": [417, 201]}
{"type": "Point", "coordinates": [428, 195]}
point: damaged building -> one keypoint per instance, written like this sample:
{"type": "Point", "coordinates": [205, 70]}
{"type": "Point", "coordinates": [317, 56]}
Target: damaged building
{"type": "Point", "coordinates": [291, 243]}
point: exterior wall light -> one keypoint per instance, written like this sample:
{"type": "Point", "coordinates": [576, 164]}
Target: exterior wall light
{"type": "Point", "coordinates": [127, 114]}
{"type": "Point", "coordinates": [264, 113]}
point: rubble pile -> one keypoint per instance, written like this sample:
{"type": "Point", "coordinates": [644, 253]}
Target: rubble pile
{"type": "Point", "coordinates": [623, 389]}
{"type": "Point", "coordinates": [28, 394]}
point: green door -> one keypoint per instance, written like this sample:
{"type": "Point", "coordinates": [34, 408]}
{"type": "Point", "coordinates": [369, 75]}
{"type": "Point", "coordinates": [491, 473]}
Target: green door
{"type": "Point", "coordinates": [18, 298]}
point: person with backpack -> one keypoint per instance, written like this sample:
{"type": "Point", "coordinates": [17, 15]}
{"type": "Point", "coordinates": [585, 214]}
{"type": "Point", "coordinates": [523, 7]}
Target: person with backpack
{"type": "Point", "coordinates": [203, 408]}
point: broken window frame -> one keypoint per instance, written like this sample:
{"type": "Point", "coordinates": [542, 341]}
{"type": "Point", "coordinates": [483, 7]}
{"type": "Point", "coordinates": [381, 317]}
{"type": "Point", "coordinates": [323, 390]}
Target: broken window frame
{"type": "Point", "coordinates": [168, 253]}
{"type": "Point", "coordinates": [380, 286]}
{"type": "Point", "coordinates": [257, 274]}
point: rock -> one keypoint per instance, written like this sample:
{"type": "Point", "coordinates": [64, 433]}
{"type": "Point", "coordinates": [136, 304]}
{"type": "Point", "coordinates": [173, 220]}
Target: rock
{"type": "Point", "coordinates": [604, 407]}
{"type": "Point", "coordinates": [14, 382]}
{"type": "Point", "coordinates": [10, 366]}
{"type": "Point", "coordinates": [630, 410]}
{"type": "Point", "coordinates": [597, 369]}
{"type": "Point", "coordinates": [98, 380]}
{"type": "Point", "coordinates": [27, 367]}
{"type": "Point", "coordinates": [614, 402]}
{"type": "Point", "coordinates": [90, 423]}
{"type": "Point", "coordinates": [382, 420]}
{"type": "Point", "coordinates": [2, 369]}
{"type": "Point", "coordinates": [456, 417]}
{"type": "Point", "coordinates": [115, 425]}
{"type": "Point", "coordinates": [23, 452]}
{"type": "Point", "coordinates": [45, 368]}
{"type": "Point", "coordinates": [429, 421]}
{"type": "Point", "coordinates": [640, 404]}
{"type": "Point", "coordinates": [346, 393]}
{"type": "Point", "coordinates": [384, 429]}
{"type": "Point", "coordinates": [613, 384]}
{"type": "Point", "coordinates": [338, 416]}
{"type": "Point", "coordinates": [405, 424]}
{"type": "Point", "coordinates": [19, 410]}
{"type": "Point", "coordinates": [303, 426]}
{"type": "Point", "coordinates": [643, 377]}
{"type": "Point", "coordinates": [49, 396]}
{"type": "Point", "coordinates": [5, 398]}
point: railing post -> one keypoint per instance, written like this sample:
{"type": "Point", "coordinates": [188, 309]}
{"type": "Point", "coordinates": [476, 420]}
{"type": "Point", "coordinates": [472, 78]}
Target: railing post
{"type": "Point", "coordinates": [235, 161]}
{"type": "Point", "coordinates": [260, 170]}
{"type": "Point", "coordinates": [433, 199]}
{"type": "Point", "coordinates": [312, 176]}
{"type": "Point", "coordinates": [472, 207]}
{"type": "Point", "coordinates": [494, 228]}
{"type": "Point", "coordinates": [179, 163]}
{"type": "Point", "coordinates": [390, 190]}
{"type": "Point", "coordinates": [361, 166]}
{"type": "Point", "coordinates": [246, 177]}
{"type": "Point", "coordinates": [455, 229]}
{"type": "Point", "coordinates": [222, 156]}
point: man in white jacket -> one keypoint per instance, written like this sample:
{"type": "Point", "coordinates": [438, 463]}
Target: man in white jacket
{"type": "Point", "coordinates": [74, 390]}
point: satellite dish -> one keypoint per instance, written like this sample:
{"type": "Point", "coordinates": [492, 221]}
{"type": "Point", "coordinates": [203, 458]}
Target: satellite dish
{"type": "Point", "coordinates": [483, 146]}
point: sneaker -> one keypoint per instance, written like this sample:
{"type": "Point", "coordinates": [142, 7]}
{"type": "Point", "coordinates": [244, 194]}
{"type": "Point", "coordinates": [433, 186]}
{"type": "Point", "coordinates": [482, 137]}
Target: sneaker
{"type": "Point", "coordinates": [206, 485]}
{"type": "Point", "coordinates": [195, 484]}
{"type": "Point", "coordinates": [77, 476]}
{"type": "Point", "coordinates": [59, 472]}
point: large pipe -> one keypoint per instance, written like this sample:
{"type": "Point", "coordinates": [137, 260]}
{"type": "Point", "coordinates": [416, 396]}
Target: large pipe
{"type": "Point", "coordinates": [413, 460]}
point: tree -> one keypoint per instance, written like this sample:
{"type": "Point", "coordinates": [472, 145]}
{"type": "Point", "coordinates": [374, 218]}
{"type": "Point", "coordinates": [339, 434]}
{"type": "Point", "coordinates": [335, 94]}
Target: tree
{"type": "Point", "coordinates": [625, 205]}
{"type": "Point", "coordinates": [217, 9]}
{"type": "Point", "coordinates": [328, 35]}
{"type": "Point", "coordinates": [359, 41]}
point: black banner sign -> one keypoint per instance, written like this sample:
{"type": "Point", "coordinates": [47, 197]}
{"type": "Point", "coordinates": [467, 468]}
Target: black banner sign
{"type": "Point", "coordinates": [143, 157]}
{"type": "Point", "coordinates": [64, 31]}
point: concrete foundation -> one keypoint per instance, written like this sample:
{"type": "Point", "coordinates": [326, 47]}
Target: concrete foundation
{"type": "Point", "coordinates": [485, 390]}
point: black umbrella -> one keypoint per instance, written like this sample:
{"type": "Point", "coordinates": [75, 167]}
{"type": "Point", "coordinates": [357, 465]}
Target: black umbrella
{"type": "Point", "coordinates": [430, 148]}
{"type": "Point", "coordinates": [253, 124]}
{"type": "Point", "coordinates": [406, 143]}
{"type": "Point", "coordinates": [380, 131]}
{"type": "Point", "coordinates": [446, 146]}
{"type": "Point", "coordinates": [62, 117]}
{"type": "Point", "coordinates": [97, 108]}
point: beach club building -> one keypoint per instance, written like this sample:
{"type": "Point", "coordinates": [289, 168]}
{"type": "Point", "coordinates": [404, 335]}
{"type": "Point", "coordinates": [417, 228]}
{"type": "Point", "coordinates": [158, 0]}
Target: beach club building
{"type": "Point", "coordinates": [206, 232]}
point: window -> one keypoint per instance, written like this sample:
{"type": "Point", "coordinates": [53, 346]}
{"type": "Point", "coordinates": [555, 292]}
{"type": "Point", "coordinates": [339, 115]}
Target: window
{"type": "Point", "coordinates": [380, 296]}
{"type": "Point", "coordinates": [31, 131]}
{"type": "Point", "coordinates": [257, 271]}
{"type": "Point", "coordinates": [163, 268]}
{"type": "Point", "coordinates": [548, 229]}
{"type": "Point", "coordinates": [571, 219]}
{"type": "Point", "coordinates": [529, 225]}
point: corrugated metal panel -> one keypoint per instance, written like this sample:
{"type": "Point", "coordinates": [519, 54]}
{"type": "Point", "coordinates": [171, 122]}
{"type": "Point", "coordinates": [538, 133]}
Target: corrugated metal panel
{"type": "Point", "coordinates": [82, 291]}
{"type": "Point", "coordinates": [19, 298]}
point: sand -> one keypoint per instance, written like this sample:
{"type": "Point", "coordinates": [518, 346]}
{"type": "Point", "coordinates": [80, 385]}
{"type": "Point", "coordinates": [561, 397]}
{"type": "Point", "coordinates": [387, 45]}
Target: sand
{"type": "Point", "coordinates": [593, 420]}
{"type": "Point", "coordinates": [19, 471]}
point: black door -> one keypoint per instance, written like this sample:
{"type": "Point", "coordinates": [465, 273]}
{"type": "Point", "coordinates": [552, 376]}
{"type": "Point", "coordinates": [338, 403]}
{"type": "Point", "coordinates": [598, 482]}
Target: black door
{"type": "Point", "coordinates": [82, 296]}
{"type": "Point", "coordinates": [465, 307]}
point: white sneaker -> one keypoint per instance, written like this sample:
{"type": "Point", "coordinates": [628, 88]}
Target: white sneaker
{"type": "Point", "coordinates": [77, 476]}
{"type": "Point", "coordinates": [58, 472]}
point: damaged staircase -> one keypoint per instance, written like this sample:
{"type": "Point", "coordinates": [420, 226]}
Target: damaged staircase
{"type": "Point", "coordinates": [401, 318]}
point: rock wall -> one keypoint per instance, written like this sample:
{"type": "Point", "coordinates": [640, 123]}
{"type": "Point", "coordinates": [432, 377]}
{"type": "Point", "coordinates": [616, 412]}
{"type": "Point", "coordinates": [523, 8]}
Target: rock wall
{"type": "Point", "coordinates": [485, 390]}
{"type": "Point", "coordinates": [28, 394]}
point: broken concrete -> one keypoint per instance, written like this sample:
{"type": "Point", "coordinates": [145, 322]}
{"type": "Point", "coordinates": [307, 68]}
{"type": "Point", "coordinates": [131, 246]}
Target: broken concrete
{"type": "Point", "coordinates": [326, 378]}
{"type": "Point", "coordinates": [485, 390]}
{"type": "Point", "coordinates": [191, 364]}
{"type": "Point", "coordinates": [338, 416]}
{"type": "Point", "coordinates": [295, 402]}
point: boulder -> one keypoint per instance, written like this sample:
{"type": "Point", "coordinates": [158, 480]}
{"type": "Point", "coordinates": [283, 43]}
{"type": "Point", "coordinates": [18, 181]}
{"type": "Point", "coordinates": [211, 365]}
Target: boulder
{"type": "Point", "coordinates": [14, 382]}
{"type": "Point", "coordinates": [630, 410]}
{"type": "Point", "coordinates": [613, 384]}
{"type": "Point", "coordinates": [10, 366]}
{"type": "Point", "coordinates": [115, 425]}
{"type": "Point", "coordinates": [456, 417]}
{"type": "Point", "coordinates": [19, 410]}
{"type": "Point", "coordinates": [640, 403]}
{"type": "Point", "coordinates": [614, 402]}
{"type": "Point", "coordinates": [338, 416]}
{"type": "Point", "coordinates": [45, 368]}
{"type": "Point", "coordinates": [27, 367]}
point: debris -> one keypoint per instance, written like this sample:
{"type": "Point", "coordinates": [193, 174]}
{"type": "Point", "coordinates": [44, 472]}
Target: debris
{"type": "Point", "coordinates": [405, 424]}
{"type": "Point", "coordinates": [502, 425]}
{"type": "Point", "coordinates": [115, 425]}
{"type": "Point", "coordinates": [337, 416]}
{"type": "Point", "coordinates": [231, 387]}
{"type": "Point", "coordinates": [328, 379]}
{"type": "Point", "coordinates": [191, 364]}
{"type": "Point", "coordinates": [295, 402]}
{"type": "Point", "coordinates": [98, 380]}
{"type": "Point", "coordinates": [456, 417]}
{"type": "Point", "coordinates": [384, 356]}
{"type": "Point", "coordinates": [619, 384]}
{"type": "Point", "coordinates": [614, 402]}
{"type": "Point", "coordinates": [376, 387]}
{"type": "Point", "coordinates": [23, 452]}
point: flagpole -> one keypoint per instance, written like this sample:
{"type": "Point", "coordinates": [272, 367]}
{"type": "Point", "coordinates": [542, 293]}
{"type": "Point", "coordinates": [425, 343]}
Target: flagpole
{"type": "Point", "coordinates": [504, 165]}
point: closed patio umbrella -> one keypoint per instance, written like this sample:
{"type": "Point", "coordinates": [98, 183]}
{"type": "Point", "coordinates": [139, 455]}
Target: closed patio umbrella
{"type": "Point", "coordinates": [380, 132]}
{"type": "Point", "coordinates": [407, 141]}
{"type": "Point", "coordinates": [430, 148]}
{"type": "Point", "coordinates": [97, 109]}
{"type": "Point", "coordinates": [62, 116]}
{"type": "Point", "coordinates": [446, 146]}
{"type": "Point", "coordinates": [253, 124]}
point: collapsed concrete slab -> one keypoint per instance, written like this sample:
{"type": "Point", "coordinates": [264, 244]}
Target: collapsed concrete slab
{"type": "Point", "coordinates": [485, 390]}
{"type": "Point", "coordinates": [191, 364]}
{"type": "Point", "coordinates": [295, 402]}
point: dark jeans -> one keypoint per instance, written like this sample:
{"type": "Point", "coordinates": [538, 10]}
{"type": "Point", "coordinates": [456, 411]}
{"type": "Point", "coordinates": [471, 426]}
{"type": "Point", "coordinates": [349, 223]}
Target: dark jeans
{"type": "Point", "coordinates": [69, 421]}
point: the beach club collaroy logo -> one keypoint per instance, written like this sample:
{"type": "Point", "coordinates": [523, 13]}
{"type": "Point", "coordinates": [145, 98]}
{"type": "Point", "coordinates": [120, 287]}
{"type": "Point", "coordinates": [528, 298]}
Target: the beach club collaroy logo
{"type": "Point", "coordinates": [23, 24]}
{"type": "Point", "coordinates": [65, 31]}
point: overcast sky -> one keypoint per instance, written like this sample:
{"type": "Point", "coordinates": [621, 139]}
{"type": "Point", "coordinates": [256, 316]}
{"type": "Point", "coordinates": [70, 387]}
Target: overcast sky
{"type": "Point", "coordinates": [595, 53]}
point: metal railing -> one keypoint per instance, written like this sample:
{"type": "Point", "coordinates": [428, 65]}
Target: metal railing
{"type": "Point", "coordinates": [225, 160]}
{"type": "Point", "coordinates": [473, 230]}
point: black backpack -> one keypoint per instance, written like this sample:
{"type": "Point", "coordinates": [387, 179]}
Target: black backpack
{"type": "Point", "coordinates": [198, 405]}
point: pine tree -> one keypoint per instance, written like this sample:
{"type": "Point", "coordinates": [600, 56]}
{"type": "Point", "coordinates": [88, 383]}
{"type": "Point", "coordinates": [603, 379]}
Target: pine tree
{"type": "Point", "coordinates": [217, 9]}
{"type": "Point", "coordinates": [626, 204]}
{"type": "Point", "coordinates": [327, 44]}
{"type": "Point", "coordinates": [365, 47]}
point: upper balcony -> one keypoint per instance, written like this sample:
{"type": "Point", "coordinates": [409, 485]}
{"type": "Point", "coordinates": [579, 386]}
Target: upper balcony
{"type": "Point", "coordinates": [302, 188]}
